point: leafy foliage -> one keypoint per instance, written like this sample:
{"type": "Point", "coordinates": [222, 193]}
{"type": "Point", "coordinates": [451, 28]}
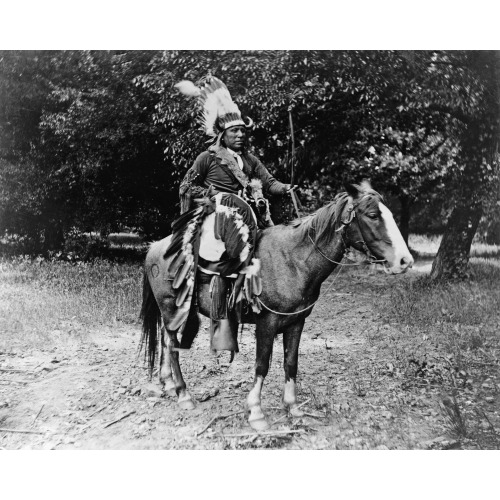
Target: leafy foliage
{"type": "Point", "coordinates": [100, 140]}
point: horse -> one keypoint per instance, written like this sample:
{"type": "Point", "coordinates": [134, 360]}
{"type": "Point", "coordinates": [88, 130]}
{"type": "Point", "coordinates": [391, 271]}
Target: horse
{"type": "Point", "coordinates": [295, 258]}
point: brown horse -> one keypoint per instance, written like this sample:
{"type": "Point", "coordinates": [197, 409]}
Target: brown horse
{"type": "Point", "coordinates": [295, 260]}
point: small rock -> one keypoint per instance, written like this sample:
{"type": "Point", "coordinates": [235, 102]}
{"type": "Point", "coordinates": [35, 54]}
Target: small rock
{"type": "Point", "coordinates": [121, 390]}
{"type": "Point", "coordinates": [125, 382]}
{"type": "Point", "coordinates": [237, 384]}
{"type": "Point", "coordinates": [151, 390]}
{"type": "Point", "coordinates": [135, 391]}
{"type": "Point", "coordinates": [442, 443]}
{"type": "Point", "coordinates": [208, 394]}
{"type": "Point", "coordinates": [489, 399]}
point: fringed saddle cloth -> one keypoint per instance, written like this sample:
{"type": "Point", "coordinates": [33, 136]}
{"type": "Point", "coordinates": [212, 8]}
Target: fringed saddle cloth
{"type": "Point", "coordinates": [216, 239]}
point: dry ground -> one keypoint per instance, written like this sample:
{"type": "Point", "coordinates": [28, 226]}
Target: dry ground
{"type": "Point", "coordinates": [361, 376]}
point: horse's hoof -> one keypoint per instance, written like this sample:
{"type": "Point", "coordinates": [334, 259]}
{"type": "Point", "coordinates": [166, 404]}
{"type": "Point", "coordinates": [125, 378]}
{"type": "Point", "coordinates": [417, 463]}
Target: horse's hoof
{"type": "Point", "coordinates": [259, 424]}
{"type": "Point", "coordinates": [186, 404]}
{"type": "Point", "coordinates": [169, 390]}
{"type": "Point", "coordinates": [168, 387]}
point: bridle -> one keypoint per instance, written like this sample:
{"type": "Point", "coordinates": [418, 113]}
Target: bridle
{"type": "Point", "coordinates": [345, 222]}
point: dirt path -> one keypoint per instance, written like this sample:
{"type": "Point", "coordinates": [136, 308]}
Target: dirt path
{"type": "Point", "coordinates": [73, 394]}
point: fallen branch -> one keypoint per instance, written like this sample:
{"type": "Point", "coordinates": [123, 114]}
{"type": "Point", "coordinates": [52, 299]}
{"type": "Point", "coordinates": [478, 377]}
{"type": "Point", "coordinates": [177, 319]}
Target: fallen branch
{"type": "Point", "coordinates": [286, 414]}
{"type": "Point", "coordinates": [12, 370]}
{"type": "Point", "coordinates": [22, 382]}
{"type": "Point", "coordinates": [37, 415]}
{"type": "Point", "coordinates": [98, 411]}
{"type": "Point", "coordinates": [219, 417]}
{"type": "Point", "coordinates": [20, 431]}
{"type": "Point", "coordinates": [119, 419]}
{"type": "Point", "coordinates": [313, 415]}
{"type": "Point", "coordinates": [264, 433]}
{"type": "Point", "coordinates": [304, 403]}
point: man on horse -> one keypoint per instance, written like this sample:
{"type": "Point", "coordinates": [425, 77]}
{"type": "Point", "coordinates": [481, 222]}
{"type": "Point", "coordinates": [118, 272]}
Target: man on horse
{"type": "Point", "coordinates": [226, 166]}
{"type": "Point", "coordinates": [217, 230]}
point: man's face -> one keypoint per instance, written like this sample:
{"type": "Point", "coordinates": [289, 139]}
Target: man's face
{"type": "Point", "coordinates": [234, 137]}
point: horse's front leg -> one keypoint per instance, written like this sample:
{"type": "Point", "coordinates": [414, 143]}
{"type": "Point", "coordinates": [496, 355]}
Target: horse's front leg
{"type": "Point", "coordinates": [184, 399]}
{"type": "Point", "coordinates": [291, 340]}
{"type": "Point", "coordinates": [264, 332]}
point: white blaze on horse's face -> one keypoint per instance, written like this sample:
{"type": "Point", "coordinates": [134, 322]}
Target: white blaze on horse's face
{"type": "Point", "coordinates": [395, 251]}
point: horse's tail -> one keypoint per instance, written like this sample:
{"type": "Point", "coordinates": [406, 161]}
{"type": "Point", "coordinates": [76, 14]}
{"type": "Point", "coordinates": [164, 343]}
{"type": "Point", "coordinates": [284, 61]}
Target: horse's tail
{"type": "Point", "coordinates": [151, 321]}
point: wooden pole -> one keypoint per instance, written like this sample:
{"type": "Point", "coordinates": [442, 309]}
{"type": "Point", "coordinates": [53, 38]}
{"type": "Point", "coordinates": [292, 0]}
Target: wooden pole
{"type": "Point", "coordinates": [292, 164]}
{"type": "Point", "coordinates": [292, 136]}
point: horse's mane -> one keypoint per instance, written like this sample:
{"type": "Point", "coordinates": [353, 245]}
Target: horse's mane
{"type": "Point", "coordinates": [323, 222]}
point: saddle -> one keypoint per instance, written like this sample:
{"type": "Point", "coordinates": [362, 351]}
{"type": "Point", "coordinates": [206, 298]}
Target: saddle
{"type": "Point", "coordinates": [214, 243]}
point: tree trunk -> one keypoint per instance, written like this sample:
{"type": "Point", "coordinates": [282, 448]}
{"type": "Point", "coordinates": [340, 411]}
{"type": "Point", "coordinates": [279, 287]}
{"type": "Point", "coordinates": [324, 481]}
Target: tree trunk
{"type": "Point", "coordinates": [480, 141]}
{"type": "Point", "coordinates": [453, 255]}
{"type": "Point", "coordinates": [404, 221]}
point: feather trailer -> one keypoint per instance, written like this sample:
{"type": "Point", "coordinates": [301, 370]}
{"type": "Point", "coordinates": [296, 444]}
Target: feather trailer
{"type": "Point", "coordinates": [252, 286]}
{"type": "Point", "coordinates": [176, 262]}
{"type": "Point", "coordinates": [175, 246]}
{"type": "Point", "coordinates": [183, 229]}
{"type": "Point", "coordinates": [231, 238]}
{"type": "Point", "coordinates": [186, 218]}
{"type": "Point", "coordinates": [256, 284]}
{"type": "Point", "coordinates": [244, 253]}
{"type": "Point", "coordinates": [248, 289]}
{"type": "Point", "coordinates": [223, 216]}
{"type": "Point", "coordinates": [188, 88]}
{"type": "Point", "coordinates": [219, 224]}
{"type": "Point", "coordinates": [184, 291]}
{"type": "Point", "coordinates": [181, 315]}
{"type": "Point", "coordinates": [183, 272]}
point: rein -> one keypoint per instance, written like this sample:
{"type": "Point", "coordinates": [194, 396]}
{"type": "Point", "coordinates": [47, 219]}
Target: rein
{"type": "Point", "coordinates": [371, 260]}
{"type": "Point", "coordinates": [302, 310]}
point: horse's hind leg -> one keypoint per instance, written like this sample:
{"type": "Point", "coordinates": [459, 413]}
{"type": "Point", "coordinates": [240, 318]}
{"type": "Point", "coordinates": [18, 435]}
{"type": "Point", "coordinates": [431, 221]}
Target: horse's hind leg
{"type": "Point", "coordinates": [264, 348]}
{"type": "Point", "coordinates": [291, 340]}
{"type": "Point", "coordinates": [166, 378]}
{"type": "Point", "coordinates": [183, 397]}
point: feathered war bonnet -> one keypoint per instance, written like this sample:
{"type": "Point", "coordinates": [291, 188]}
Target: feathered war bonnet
{"type": "Point", "coordinates": [218, 111]}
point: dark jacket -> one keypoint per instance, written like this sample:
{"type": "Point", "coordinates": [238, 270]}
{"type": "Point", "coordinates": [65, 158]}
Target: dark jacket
{"type": "Point", "coordinates": [218, 171]}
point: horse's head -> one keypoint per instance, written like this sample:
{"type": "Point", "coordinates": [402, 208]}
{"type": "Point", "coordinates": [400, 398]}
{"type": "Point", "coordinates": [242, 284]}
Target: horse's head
{"type": "Point", "coordinates": [254, 195]}
{"type": "Point", "coordinates": [371, 228]}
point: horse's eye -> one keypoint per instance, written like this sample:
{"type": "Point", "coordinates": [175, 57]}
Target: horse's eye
{"type": "Point", "coordinates": [373, 215]}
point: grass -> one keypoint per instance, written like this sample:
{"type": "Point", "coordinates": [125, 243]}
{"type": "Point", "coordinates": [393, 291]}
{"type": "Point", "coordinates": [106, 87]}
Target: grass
{"type": "Point", "coordinates": [446, 336]}
{"type": "Point", "coordinates": [426, 246]}
{"type": "Point", "coordinates": [39, 296]}
{"type": "Point", "coordinates": [431, 356]}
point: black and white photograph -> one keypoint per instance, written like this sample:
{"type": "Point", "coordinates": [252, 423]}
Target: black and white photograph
{"type": "Point", "coordinates": [285, 249]}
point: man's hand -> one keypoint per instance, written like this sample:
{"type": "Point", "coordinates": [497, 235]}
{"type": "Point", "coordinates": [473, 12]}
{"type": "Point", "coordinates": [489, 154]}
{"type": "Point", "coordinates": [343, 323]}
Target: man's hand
{"type": "Point", "coordinates": [290, 188]}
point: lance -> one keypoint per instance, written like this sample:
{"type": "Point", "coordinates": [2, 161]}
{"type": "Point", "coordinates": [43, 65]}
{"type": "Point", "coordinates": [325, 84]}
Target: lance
{"type": "Point", "coordinates": [292, 164]}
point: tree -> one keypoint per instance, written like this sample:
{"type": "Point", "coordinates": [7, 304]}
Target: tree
{"type": "Point", "coordinates": [476, 180]}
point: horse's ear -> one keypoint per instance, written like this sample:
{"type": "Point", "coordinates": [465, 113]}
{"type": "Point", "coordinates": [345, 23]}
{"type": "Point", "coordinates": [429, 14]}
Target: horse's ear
{"type": "Point", "coordinates": [352, 190]}
{"type": "Point", "coordinates": [366, 185]}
